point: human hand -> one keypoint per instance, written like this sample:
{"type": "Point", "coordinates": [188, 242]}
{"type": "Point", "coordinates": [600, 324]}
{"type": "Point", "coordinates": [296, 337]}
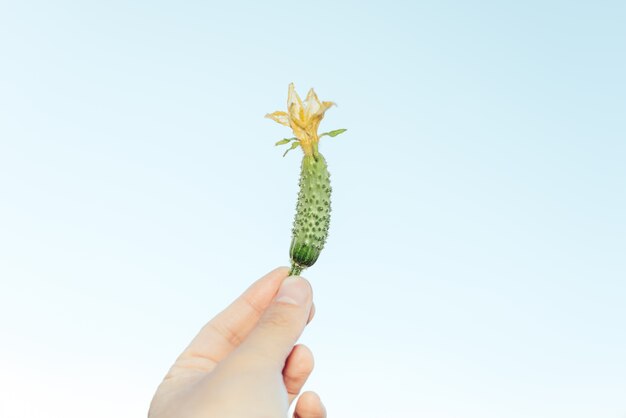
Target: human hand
{"type": "Point", "coordinates": [243, 363]}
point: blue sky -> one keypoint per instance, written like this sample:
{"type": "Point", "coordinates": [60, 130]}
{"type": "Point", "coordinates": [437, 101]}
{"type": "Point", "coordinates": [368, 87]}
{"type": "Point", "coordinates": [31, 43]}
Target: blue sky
{"type": "Point", "coordinates": [475, 265]}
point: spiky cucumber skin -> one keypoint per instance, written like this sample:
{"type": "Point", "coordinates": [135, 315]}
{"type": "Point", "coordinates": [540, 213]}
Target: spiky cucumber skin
{"type": "Point", "coordinates": [310, 227]}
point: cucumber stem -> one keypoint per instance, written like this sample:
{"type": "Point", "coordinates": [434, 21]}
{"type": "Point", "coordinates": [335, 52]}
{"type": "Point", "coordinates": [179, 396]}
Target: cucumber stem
{"type": "Point", "coordinates": [295, 270]}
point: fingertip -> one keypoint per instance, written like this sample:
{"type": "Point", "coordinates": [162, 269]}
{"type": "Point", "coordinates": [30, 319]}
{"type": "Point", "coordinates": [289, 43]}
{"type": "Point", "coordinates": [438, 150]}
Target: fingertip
{"type": "Point", "coordinates": [310, 405]}
{"type": "Point", "coordinates": [302, 357]}
{"type": "Point", "coordinates": [281, 271]}
{"type": "Point", "coordinates": [298, 368]}
{"type": "Point", "coordinates": [295, 290]}
{"type": "Point", "coordinates": [273, 278]}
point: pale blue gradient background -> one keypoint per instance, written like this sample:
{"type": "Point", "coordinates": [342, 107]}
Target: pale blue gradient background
{"type": "Point", "coordinates": [476, 265]}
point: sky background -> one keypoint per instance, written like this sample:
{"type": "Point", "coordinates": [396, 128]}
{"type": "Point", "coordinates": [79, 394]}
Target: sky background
{"type": "Point", "coordinates": [476, 264]}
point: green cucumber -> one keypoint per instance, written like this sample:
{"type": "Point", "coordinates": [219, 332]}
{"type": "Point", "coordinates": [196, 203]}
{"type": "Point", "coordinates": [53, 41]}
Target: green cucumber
{"type": "Point", "coordinates": [310, 227]}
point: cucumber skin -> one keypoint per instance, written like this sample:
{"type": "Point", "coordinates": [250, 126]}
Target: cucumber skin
{"type": "Point", "coordinates": [310, 227]}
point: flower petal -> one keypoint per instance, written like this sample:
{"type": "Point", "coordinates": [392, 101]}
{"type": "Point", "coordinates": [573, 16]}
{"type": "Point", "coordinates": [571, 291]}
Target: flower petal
{"type": "Point", "coordinates": [294, 104]}
{"type": "Point", "coordinates": [327, 105]}
{"type": "Point", "coordinates": [280, 117]}
{"type": "Point", "coordinates": [312, 104]}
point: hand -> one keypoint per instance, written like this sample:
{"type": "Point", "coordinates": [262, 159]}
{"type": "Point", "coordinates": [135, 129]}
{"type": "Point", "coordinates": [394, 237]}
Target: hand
{"type": "Point", "coordinates": [243, 363]}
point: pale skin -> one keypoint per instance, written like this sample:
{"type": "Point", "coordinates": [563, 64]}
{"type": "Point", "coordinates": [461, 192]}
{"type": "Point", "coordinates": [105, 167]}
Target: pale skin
{"type": "Point", "coordinates": [244, 362]}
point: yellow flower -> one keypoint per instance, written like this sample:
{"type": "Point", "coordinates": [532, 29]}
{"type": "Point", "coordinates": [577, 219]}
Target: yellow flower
{"type": "Point", "coordinates": [303, 118]}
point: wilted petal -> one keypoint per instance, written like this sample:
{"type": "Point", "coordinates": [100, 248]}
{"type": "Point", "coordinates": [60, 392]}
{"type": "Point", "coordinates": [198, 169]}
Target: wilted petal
{"type": "Point", "coordinates": [327, 105]}
{"type": "Point", "coordinates": [280, 117]}
{"type": "Point", "coordinates": [294, 104]}
{"type": "Point", "coordinates": [311, 103]}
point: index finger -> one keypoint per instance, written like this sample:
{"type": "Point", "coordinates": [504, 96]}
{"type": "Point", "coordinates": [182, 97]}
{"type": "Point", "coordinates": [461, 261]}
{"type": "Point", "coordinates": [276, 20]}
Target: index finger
{"type": "Point", "coordinates": [222, 334]}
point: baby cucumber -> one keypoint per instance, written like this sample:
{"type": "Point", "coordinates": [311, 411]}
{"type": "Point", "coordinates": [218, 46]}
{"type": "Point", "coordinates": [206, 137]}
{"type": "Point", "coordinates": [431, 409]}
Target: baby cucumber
{"type": "Point", "coordinates": [310, 227]}
{"type": "Point", "coordinates": [312, 220]}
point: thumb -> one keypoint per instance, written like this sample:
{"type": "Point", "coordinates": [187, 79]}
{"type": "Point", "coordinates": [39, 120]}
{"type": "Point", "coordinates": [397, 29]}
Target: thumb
{"type": "Point", "coordinates": [281, 324]}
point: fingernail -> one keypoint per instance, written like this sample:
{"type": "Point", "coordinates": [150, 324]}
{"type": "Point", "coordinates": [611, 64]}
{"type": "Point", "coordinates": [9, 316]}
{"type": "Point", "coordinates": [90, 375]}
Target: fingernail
{"type": "Point", "coordinates": [294, 291]}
